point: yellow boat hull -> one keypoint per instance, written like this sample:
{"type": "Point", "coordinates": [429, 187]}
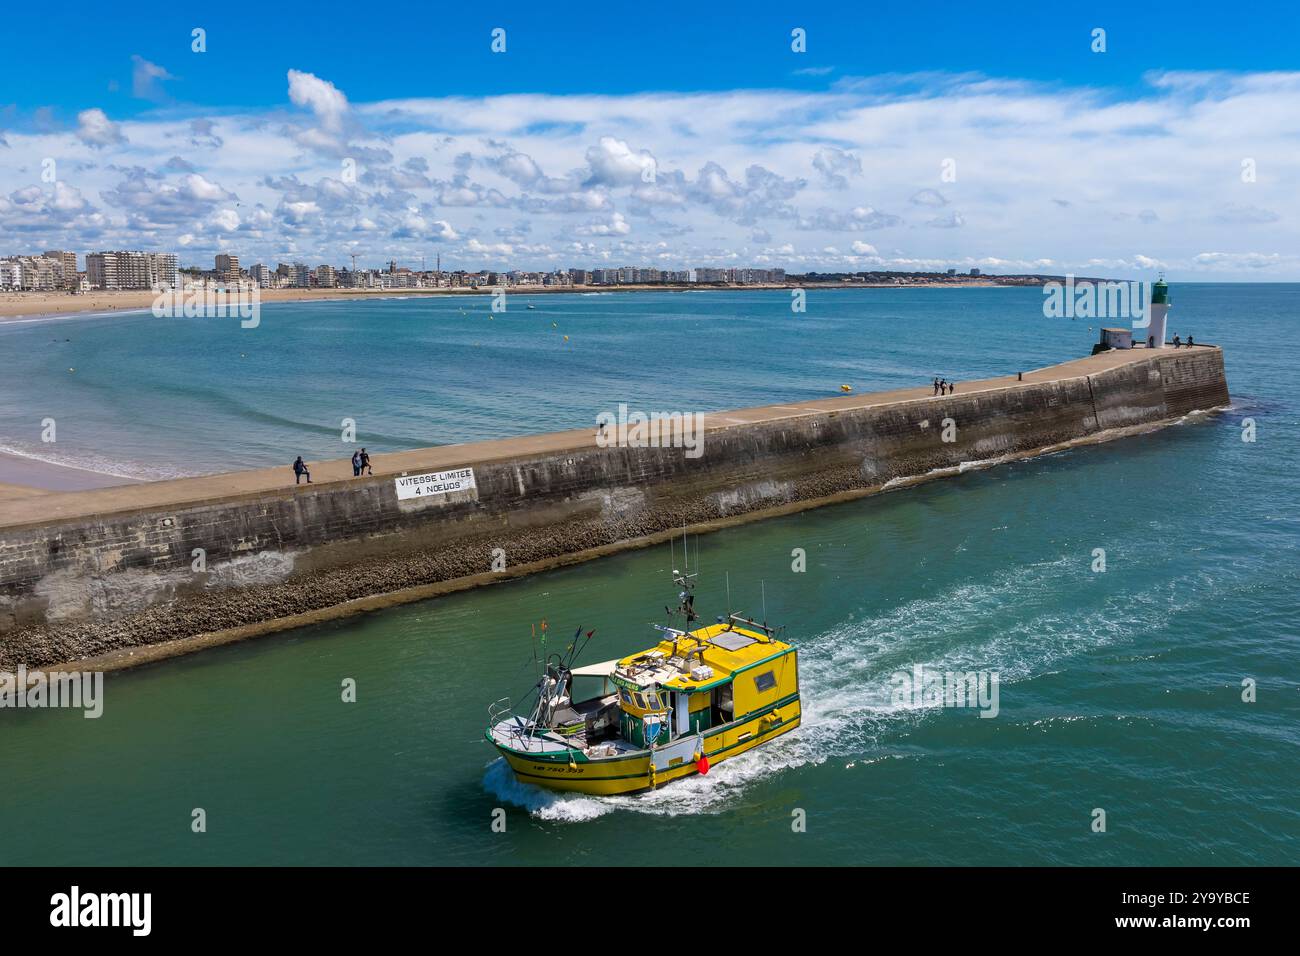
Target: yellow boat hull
{"type": "Point", "coordinates": [632, 774]}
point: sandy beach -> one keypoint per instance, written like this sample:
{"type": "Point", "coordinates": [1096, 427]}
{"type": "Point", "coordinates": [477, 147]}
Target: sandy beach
{"type": "Point", "coordinates": [31, 305]}
{"type": "Point", "coordinates": [20, 306]}
{"type": "Point", "coordinates": [24, 477]}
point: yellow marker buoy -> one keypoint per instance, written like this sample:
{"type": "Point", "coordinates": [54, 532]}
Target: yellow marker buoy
{"type": "Point", "coordinates": [846, 388]}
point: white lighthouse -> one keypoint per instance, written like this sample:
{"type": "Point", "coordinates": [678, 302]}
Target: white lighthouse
{"type": "Point", "coordinates": [1159, 314]}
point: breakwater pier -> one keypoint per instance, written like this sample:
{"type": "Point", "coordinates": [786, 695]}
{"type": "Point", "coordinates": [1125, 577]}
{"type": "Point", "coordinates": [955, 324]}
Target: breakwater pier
{"type": "Point", "coordinates": [127, 574]}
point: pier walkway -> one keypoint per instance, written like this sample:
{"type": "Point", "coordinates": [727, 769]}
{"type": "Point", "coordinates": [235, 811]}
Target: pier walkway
{"type": "Point", "coordinates": [18, 509]}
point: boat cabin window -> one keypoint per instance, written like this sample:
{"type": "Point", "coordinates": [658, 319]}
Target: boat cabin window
{"type": "Point", "coordinates": [765, 681]}
{"type": "Point", "coordinates": [721, 706]}
{"type": "Point", "coordinates": [648, 700]}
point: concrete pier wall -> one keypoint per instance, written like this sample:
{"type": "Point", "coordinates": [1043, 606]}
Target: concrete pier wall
{"type": "Point", "coordinates": [73, 585]}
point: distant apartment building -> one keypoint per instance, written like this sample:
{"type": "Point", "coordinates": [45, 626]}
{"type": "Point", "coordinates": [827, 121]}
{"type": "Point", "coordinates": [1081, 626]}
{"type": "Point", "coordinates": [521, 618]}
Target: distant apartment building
{"type": "Point", "coordinates": [399, 279]}
{"type": "Point", "coordinates": [579, 276]}
{"type": "Point", "coordinates": [295, 276]}
{"type": "Point", "coordinates": [710, 275]}
{"type": "Point", "coordinates": [261, 274]}
{"type": "Point", "coordinates": [325, 278]}
{"type": "Point", "coordinates": [227, 267]}
{"type": "Point", "coordinates": [358, 279]}
{"type": "Point", "coordinates": [32, 274]}
{"type": "Point", "coordinates": [163, 271]}
{"type": "Point", "coordinates": [68, 263]}
{"type": "Point", "coordinates": [131, 270]}
{"type": "Point", "coordinates": [11, 275]}
{"type": "Point", "coordinates": [757, 276]}
{"type": "Point", "coordinates": [974, 272]}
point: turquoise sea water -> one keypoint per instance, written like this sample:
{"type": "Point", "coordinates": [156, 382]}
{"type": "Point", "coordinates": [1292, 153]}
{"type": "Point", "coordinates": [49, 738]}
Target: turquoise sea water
{"type": "Point", "coordinates": [147, 397]}
{"type": "Point", "coordinates": [1119, 690]}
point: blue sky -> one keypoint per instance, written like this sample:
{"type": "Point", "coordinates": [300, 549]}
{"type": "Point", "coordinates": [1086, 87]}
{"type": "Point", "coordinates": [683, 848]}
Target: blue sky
{"type": "Point", "coordinates": [672, 134]}
{"type": "Point", "coordinates": [432, 50]}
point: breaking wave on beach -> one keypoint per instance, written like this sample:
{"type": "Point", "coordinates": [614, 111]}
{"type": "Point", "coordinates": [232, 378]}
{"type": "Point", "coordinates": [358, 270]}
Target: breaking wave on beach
{"type": "Point", "coordinates": [91, 462]}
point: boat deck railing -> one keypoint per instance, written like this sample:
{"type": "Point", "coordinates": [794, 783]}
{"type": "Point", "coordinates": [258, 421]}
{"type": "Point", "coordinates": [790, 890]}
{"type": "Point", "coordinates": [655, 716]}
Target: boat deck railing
{"type": "Point", "coordinates": [499, 710]}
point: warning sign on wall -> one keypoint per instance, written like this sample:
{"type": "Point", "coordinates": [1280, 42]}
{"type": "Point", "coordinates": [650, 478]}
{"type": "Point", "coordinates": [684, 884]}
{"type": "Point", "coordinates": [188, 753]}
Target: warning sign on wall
{"type": "Point", "coordinates": [435, 484]}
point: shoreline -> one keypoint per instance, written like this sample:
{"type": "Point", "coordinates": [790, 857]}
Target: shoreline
{"type": "Point", "coordinates": [20, 307]}
{"type": "Point", "coordinates": [21, 476]}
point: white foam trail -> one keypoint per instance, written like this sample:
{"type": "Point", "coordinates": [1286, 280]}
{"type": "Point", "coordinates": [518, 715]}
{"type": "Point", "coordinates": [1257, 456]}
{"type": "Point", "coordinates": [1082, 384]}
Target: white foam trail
{"type": "Point", "coordinates": [960, 468]}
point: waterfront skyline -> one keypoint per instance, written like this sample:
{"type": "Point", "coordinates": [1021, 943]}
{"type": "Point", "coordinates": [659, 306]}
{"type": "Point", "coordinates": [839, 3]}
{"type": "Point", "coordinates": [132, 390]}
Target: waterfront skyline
{"type": "Point", "coordinates": [1125, 165]}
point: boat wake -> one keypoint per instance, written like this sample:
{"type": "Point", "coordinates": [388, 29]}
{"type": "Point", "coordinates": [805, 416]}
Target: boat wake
{"type": "Point", "coordinates": [1012, 625]}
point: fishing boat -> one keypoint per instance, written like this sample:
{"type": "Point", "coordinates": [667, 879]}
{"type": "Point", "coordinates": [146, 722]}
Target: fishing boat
{"type": "Point", "coordinates": [700, 696]}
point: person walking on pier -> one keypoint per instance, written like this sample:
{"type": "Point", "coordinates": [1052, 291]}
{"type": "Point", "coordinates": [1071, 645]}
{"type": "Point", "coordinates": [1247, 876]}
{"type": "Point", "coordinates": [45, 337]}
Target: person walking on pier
{"type": "Point", "coordinates": [300, 469]}
{"type": "Point", "coordinates": [936, 385]}
{"type": "Point", "coordinates": [356, 463]}
{"type": "Point", "coordinates": [1190, 342]}
{"type": "Point", "coordinates": [952, 387]}
{"type": "Point", "coordinates": [365, 463]}
{"type": "Point", "coordinates": [1177, 341]}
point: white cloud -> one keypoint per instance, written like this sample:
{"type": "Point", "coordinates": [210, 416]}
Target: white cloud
{"type": "Point", "coordinates": [954, 220]}
{"type": "Point", "coordinates": [615, 226]}
{"type": "Point", "coordinates": [297, 213]}
{"type": "Point", "coordinates": [1044, 173]}
{"type": "Point", "coordinates": [1244, 213]}
{"type": "Point", "coordinates": [196, 187]}
{"type": "Point", "coordinates": [932, 197]}
{"type": "Point", "coordinates": [95, 129]}
{"type": "Point", "coordinates": [146, 79]}
{"type": "Point", "coordinates": [321, 97]}
{"type": "Point", "coordinates": [836, 166]}
{"type": "Point", "coordinates": [225, 220]}
{"type": "Point", "coordinates": [613, 163]}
